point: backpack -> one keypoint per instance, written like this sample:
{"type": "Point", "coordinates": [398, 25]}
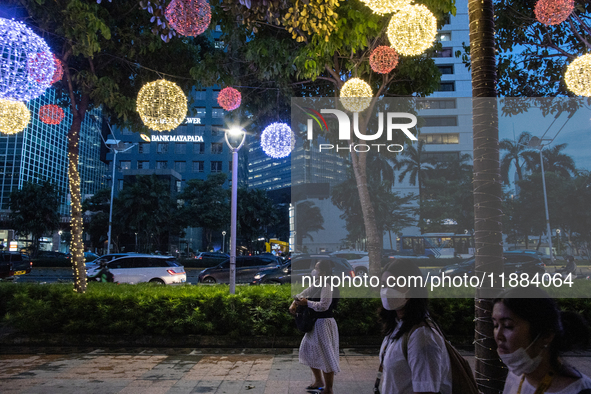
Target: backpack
{"type": "Point", "coordinates": [305, 317]}
{"type": "Point", "coordinates": [462, 377]}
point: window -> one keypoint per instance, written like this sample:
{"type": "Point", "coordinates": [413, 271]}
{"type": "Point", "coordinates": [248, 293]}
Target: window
{"type": "Point", "coordinates": [125, 164]}
{"type": "Point", "coordinates": [199, 148]}
{"type": "Point", "coordinates": [144, 147]}
{"type": "Point", "coordinates": [218, 28]}
{"type": "Point", "coordinates": [446, 19]}
{"type": "Point", "coordinates": [230, 166]}
{"type": "Point", "coordinates": [446, 69]}
{"type": "Point", "coordinates": [444, 52]}
{"type": "Point", "coordinates": [444, 36]}
{"type": "Point", "coordinates": [178, 186]}
{"type": "Point", "coordinates": [215, 131]}
{"type": "Point", "coordinates": [443, 138]}
{"type": "Point", "coordinates": [200, 112]}
{"type": "Point", "coordinates": [161, 165]}
{"type": "Point", "coordinates": [120, 184]}
{"type": "Point", "coordinates": [216, 166]}
{"type": "Point", "coordinates": [440, 121]}
{"type": "Point", "coordinates": [143, 165]}
{"type": "Point", "coordinates": [163, 147]}
{"type": "Point", "coordinates": [180, 148]}
{"type": "Point", "coordinates": [180, 166]}
{"type": "Point", "coordinates": [217, 113]}
{"type": "Point", "coordinates": [199, 130]}
{"type": "Point", "coordinates": [197, 166]}
{"type": "Point", "coordinates": [441, 157]}
{"type": "Point", "coordinates": [436, 104]}
{"type": "Point", "coordinates": [219, 44]}
{"type": "Point", "coordinates": [217, 148]}
{"type": "Point", "coordinates": [201, 95]}
{"type": "Point", "coordinates": [447, 87]}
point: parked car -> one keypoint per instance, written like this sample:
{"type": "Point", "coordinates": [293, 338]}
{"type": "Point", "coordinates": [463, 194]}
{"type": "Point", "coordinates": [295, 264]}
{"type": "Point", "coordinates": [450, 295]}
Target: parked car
{"type": "Point", "coordinates": [210, 259]}
{"type": "Point", "coordinates": [106, 258]}
{"type": "Point", "coordinates": [14, 264]}
{"type": "Point", "coordinates": [49, 254]}
{"type": "Point", "coordinates": [298, 266]}
{"type": "Point", "coordinates": [359, 260]}
{"type": "Point", "coordinates": [514, 263]}
{"type": "Point", "coordinates": [246, 268]}
{"type": "Point", "coordinates": [138, 268]}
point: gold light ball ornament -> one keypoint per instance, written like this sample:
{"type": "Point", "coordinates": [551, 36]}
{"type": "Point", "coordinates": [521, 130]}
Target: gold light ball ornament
{"type": "Point", "coordinates": [383, 59]}
{"type": "Point", "coordinates": [382, 7]}
{"type": "Point", "coordinates": [14, 116]}
{"type": "Point", "coordinates": [162, 105]}
{"type": "Point", "coordinates": [578, 76]}
{"type": "Point", "coordinates": [553, 12]}
{"type": "Point", "coordinates": [412, 30]}
{"type": "Point", "coordinates": [356, 95]}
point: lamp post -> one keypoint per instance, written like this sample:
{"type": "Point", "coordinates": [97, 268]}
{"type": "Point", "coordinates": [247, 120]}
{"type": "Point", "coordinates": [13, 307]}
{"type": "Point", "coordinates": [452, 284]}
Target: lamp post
{"type": "Point", "coordinates": [223, 241]}
{"type": "Point", "coordinates": [536, 143]}
{"type": "Point", "coordinates": [237, 132]}
{"type": "Point", "coordinates": [114, 146]}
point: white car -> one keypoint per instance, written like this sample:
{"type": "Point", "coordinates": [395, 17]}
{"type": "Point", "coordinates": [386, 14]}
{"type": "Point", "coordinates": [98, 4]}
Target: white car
{"type": "Point", "coordinates": [138, 268]}
{"type": "Point", "coordinates": [359, 260]}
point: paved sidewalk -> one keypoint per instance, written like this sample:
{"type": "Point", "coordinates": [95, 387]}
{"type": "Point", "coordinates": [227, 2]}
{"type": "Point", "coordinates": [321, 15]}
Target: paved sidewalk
{"type": "Point", "coordinates": [176, 371]}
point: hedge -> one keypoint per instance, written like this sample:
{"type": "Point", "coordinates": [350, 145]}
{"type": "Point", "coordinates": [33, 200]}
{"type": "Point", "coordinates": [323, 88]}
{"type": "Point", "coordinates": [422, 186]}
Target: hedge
{"type": "Point", "coordinates": [147, 309]}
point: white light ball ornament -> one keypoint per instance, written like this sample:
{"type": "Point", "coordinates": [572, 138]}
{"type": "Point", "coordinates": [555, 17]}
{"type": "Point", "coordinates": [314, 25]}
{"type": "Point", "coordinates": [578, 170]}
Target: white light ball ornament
{"type": "Point", "coordinates": [578, 76]}
{"type": "Point", "coordinates": [412, 30]}
{"type": "Point", "coordinates": [382, 7]}
{"type": "Point", "coordinates": [14, 116]}
{"type": "Point", "coordinates": [356, 95]}
{"type": "Point", "coordinates": [277, 140]}
{"type": "Point", "coordinates": [26, 62]}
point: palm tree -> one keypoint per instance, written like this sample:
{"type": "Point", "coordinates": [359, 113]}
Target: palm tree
{"type": "Point", "coordinates": [417, 167]}
{"type": "Point", "coordinates": [308, 220]}
{"type": "Point", "coordinates": [516, 151]}
{"type": "Point", "coordinates": [554, 161]}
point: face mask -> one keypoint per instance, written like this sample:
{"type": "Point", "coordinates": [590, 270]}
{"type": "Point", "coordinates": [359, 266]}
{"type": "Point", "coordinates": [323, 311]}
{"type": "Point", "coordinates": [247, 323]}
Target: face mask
{"type": "Point", "coordinates": [392, 299]}
{"type": "Point", "coordinates": [519, 362]}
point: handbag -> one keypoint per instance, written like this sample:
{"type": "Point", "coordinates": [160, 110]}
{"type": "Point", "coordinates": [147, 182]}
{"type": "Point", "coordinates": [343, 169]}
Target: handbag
{"type": "Point", "coordinates": [304, 318]}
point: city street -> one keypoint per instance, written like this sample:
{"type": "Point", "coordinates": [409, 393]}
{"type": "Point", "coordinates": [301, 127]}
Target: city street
{"type": "Point", "coordinates": [176, 371]}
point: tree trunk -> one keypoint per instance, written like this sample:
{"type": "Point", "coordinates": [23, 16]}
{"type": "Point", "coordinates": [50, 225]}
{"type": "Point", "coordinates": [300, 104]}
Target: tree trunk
{"type": "Point", "coordinates": [490, 373]}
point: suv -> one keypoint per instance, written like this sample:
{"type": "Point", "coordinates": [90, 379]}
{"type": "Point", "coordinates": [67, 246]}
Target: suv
{"type": "Point", "coordinates": [139, 268]}
{"type": "Point", "coordinates": [210, 259]}
{"type": "Point", "coordinates": [299, 266]}
{"type": "Point", "coordinates": [14, 263]}
{"type": "Point", "coordinates": [514, 263]}
{"type": "Point", "coordinates": [246, 267]}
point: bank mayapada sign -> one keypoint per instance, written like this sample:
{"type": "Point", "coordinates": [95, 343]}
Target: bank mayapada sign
{"type": "Point", "coordinates": [175, 138]}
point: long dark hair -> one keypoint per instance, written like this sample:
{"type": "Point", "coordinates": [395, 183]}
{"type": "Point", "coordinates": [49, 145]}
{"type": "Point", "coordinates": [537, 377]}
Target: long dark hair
{"type": "Point", "coordinates": [535, 306]}
{"type": "Point", "coordinates": [416, 309]}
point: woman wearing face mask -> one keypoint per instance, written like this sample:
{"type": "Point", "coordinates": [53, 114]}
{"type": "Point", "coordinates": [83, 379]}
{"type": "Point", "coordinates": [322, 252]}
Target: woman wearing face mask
{"type": "Point", "coordinates": [530, 331]}
{"type": "Point", "coordinates": [320, 347]}
{"type": "Point", "coordinates": [425, 368]}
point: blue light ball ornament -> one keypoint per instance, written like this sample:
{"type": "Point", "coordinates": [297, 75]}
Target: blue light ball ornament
{"type": "Point", "coordinates": [26, 62]}
{"type": "Point", "coordinates": [277, 140]}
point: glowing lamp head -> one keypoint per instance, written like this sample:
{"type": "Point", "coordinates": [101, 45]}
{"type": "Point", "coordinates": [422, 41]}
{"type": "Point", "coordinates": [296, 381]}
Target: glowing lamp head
{"type": "Point", "coordinates": [412, 30]}
{"type": "Point", "coordinates": [356, 95]}
{"type": "Point", "coordinates": [235, 131]}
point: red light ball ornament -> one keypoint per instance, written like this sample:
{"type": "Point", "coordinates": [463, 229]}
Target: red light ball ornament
{"type": "Point", "coordinates": [188, 17]}
{"type": "Point", "coordinates": [59, 70]}
{"type": "Point", "coordinates": [383, 59]}
{"type": "Point", "coordinates": [51, 114]}
{"type": "Point", "coordinates": [553, 12]}
{"type": "Point", "coordinates": [229, 99]}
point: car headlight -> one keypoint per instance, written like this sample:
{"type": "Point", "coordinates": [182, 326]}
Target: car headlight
{"type": "Point", "coordinates": [448, 271]}
{"type": "Point", "coordinates": [259, 276]}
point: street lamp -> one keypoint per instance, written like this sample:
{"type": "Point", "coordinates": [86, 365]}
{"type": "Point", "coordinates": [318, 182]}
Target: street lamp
{"type": "Point", "coordinates": [114, 146]}
{"type": "Point", "coordinates": [536, 143]}
{"type": "Point", "coordinates": [223, 241]}
{"type": "Point", "coordinates": [235, 132]}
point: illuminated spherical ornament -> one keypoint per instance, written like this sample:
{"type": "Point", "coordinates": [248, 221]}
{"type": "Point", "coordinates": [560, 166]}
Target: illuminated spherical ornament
{"type": "Point", "coordinates": [277, 140]}
{"type": "Point", "coordinates": [382, 7]}
{"type": "Point", "coordinates": [14, 116]}
{"type": "Point", "coordinates": [578, 76]}
{"type": "Point", "coordinates": [412, 30]}
{"type": "Point", "coordinates": [26, 62]}
{"type": "Point", "coordinates": [356, 95]}
{"type": "Point", "coordinates": [383, 59]}
{"type": "Point", "coordinates": [229, 99]}
{"type": "Point", "coordinates": [59, 70]}
{"type": "Point", "coordinates": [188, 17]}
{"type": "Point", "coordinates": [162, 105]}
{"type": "Point", "coordinates": [51, 114]}
{"type": "Point", "coordinates": [553, 12]}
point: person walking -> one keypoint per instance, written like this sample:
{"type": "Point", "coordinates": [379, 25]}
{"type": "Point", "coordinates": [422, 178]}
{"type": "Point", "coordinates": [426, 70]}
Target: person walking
{"type": "Point", "coordinates": [531, 332]}
{"type": "Point", "coordinates": [319, 348]}
{"type": "Point", "coordinates": [413, 356]}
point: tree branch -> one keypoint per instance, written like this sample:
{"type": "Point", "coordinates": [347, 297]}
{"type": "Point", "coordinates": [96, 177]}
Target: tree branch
{"type": "Point", "coordinates": [574, 30]}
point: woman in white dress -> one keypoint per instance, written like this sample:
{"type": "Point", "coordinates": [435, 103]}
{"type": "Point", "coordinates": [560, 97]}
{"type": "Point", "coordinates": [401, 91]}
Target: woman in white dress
{"type": "Point", "coordinates": [530, 332]}
{"type": "Point", "coordinates": [413, 355]}
{"type": "Point", "coordinates": [320, 347]}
